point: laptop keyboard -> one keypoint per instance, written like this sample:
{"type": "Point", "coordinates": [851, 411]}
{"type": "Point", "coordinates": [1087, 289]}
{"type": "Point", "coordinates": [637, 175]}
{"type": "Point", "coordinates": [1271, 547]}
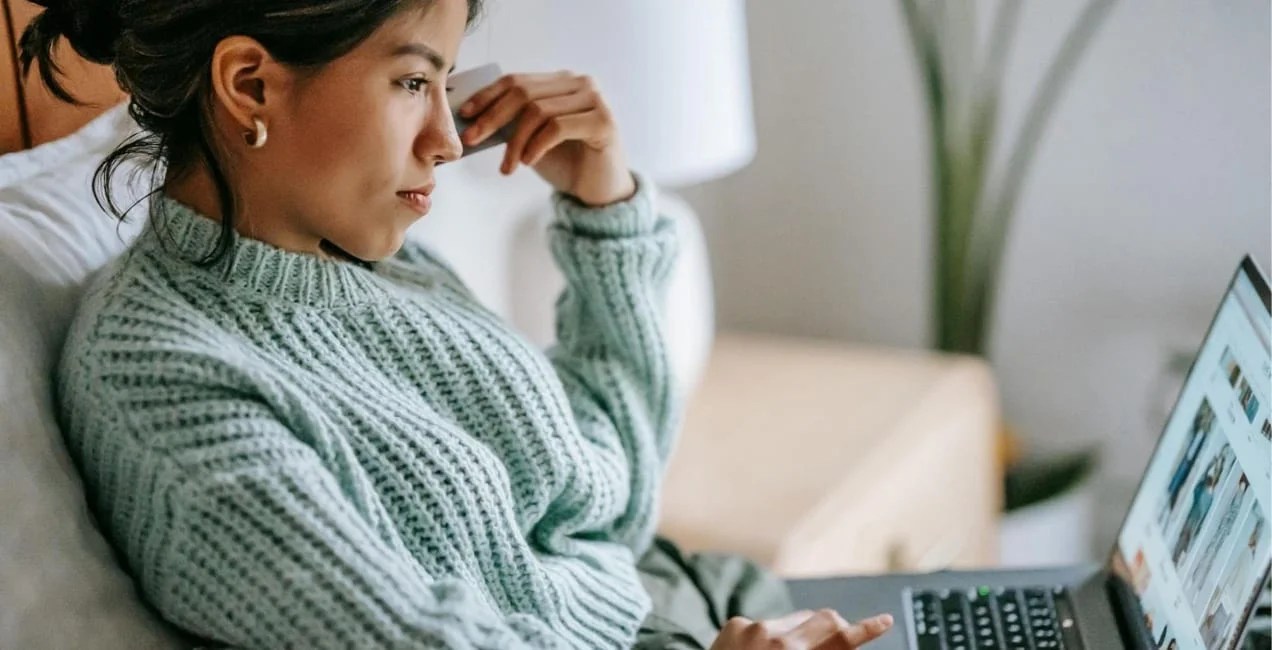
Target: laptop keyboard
{"type": "Point", "coordinates": [1030, 618]}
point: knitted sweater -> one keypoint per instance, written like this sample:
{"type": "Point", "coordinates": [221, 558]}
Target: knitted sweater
{"type": "Point", "coordinates": [289, 451]}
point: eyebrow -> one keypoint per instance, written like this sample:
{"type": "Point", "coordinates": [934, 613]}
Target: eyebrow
{"type": "Point", "coordinates": [423, 51]}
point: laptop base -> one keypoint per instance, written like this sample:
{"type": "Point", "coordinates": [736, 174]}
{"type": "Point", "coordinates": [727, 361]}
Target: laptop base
{"type": "Point", "coordinates": [860, 597]}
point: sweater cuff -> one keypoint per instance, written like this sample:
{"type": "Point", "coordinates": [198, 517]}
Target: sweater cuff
{"type": "Point", "coordinates": [634, 216]}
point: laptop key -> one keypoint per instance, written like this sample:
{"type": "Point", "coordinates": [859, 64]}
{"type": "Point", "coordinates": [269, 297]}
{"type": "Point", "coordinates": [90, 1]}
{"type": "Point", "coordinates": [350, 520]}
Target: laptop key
{"type": "Point", "coordinates": [954, 609]}
{"type": "Point", "coordinates": [985, 619]}
{"type": "Point", "coordinates": [1014, 629]}
{"type": "Point", "coordinates": [925, 610]}
{"type": "Point", "coordinates": [1044, 620]}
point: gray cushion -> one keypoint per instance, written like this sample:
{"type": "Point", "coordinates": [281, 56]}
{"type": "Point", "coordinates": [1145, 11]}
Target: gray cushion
{"type": "Point", "coordinates": [60, 584]}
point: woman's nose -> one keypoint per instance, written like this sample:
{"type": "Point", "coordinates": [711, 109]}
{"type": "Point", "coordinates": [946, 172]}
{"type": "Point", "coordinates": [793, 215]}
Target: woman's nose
{"type": "Point", "coordinates": [440, 141]}
{"type": "Point", "coordinates": [452, 148]}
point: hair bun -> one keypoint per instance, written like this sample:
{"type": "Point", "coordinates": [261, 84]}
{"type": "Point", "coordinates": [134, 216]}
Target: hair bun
{"type": "Point", "coordinates": [91, 26]}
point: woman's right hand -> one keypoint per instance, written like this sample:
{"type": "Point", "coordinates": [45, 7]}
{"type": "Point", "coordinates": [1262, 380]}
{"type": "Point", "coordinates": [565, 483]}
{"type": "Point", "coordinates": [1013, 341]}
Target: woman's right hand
{"type": "Point", "coordinates": [824, 629]}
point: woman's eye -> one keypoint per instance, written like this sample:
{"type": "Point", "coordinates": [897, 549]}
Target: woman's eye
{"type": "Point", "coordinates": [414, 85]}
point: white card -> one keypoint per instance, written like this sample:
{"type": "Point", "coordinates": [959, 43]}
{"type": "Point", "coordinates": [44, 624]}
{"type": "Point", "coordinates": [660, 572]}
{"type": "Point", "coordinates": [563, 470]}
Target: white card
{"type": "Point", "coordinates": [463, 86]}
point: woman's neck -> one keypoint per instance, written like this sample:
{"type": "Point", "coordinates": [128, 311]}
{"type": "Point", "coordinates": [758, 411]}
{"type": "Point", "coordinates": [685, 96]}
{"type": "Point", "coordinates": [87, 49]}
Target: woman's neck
{"type": "Point", "coordinates": [196, 189]}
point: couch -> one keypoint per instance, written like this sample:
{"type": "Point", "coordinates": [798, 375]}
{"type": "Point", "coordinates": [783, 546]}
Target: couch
{"type": "Point", "coordinates": [814, 457]}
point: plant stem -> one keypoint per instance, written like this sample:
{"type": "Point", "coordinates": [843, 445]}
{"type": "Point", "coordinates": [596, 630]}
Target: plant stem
{"type": "Point", "coordinates": [990, 235]}
{"type": "Point", "coordinates": [927, 56]}
{"type": "Point", "coordinates": [979, 140]}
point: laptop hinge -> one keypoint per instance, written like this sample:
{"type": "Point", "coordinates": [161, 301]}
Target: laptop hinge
{"type": "Point", "coordinates": [1130, 617]}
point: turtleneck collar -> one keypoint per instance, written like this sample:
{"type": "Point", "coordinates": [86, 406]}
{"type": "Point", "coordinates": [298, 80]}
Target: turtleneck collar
{"type": "Point", "coordinates": [254, 268]}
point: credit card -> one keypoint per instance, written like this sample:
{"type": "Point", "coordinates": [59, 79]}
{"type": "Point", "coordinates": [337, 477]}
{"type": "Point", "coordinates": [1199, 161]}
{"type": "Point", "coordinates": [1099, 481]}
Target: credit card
{"type": "Point", "coordinates": [464, 85]}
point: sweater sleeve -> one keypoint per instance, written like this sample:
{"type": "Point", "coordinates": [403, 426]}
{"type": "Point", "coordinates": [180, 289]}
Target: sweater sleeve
{"type": "Point", "coordinates": [611, 350]}
{"type": "Point", "coordinates": [238, 533]}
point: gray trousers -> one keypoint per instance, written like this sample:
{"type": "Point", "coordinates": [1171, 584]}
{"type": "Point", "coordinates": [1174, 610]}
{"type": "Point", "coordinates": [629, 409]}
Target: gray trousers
{"type": "Point", "coordinates": [695, 595]}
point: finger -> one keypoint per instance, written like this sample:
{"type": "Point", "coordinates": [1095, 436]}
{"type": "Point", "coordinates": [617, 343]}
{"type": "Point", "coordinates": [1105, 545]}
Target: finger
{"type": "Point", "coordinates": [506, 100]}
{"type": "Point", "coordinates": [479, 100]}
{"type": "Point", "coordinates": [737, 624]}
{"type": "Point", "coordinates": [734, 633]}
{"type": "Point", "coordinates": [868, 630]}
{"type": "Point", "coordinates": [533, 117]}
{"type": "Point", "coordinates": [832, 631]}
{"type": "Point", "coordinates": [821, 625]}
{"type": "Point", "coordinates": [783, 624]}
{"type": "Point", "coordinates": [575, 126]}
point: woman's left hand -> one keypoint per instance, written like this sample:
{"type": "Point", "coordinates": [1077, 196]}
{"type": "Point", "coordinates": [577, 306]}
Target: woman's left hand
{"type": "Point", "coordinates": [563, 129]}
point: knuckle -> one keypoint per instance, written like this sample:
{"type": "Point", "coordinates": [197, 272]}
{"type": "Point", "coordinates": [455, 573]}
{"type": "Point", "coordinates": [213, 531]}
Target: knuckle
{"type": "Point", "coordinates": [534, 110]}
{"type": "Point", "coordinates": [520, 93]}
{"type": "Point", "coordinates": [845, 639]}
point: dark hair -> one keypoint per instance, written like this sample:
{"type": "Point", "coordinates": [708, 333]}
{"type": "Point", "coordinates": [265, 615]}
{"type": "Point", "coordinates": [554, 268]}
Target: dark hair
{"type": "Point", "coordinates": [161, 53]}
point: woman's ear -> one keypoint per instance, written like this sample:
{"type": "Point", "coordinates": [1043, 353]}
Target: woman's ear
{"type": "Point", "coordinates": [246, 80]}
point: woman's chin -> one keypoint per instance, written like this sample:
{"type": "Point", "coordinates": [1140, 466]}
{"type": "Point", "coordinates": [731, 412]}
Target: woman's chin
{"type": "Point", "coordinates": [367, 251]}
{"type": "Point", "coordinates": [380, 253]}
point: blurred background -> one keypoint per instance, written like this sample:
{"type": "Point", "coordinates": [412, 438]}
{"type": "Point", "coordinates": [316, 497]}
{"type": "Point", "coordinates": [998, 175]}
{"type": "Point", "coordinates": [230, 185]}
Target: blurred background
{"type": "Point", "coordinates": [1150, 181]}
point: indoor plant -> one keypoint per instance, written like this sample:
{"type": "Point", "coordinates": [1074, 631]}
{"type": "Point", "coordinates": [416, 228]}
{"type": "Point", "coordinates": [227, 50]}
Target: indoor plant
{"type": "Point", "coordinates": [975, 195]}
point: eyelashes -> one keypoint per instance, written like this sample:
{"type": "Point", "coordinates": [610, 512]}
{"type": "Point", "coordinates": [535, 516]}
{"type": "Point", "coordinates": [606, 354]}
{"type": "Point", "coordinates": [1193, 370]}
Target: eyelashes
{"type": "Point", "coordinates": [419, 84]}
{"type": "Point", "coordinates": [417, 87]}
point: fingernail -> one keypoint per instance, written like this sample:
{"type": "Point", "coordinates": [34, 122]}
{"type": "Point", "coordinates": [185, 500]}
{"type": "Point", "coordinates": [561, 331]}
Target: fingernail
{"type": "Point", "coordinates": [884, 620]}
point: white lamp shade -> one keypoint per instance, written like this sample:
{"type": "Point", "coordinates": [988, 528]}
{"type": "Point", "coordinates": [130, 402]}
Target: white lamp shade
{"type": "Point", "coordinates": [675, 72]}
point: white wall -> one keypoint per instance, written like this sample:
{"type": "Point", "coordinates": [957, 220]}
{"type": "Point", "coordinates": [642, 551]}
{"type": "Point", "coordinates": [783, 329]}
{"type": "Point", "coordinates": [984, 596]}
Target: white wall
{"type": "Point", "coordinates": [1152, 181]}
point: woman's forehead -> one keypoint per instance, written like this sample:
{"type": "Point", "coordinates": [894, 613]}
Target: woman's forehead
{"type": "Point", "coordinates": [437, 25]}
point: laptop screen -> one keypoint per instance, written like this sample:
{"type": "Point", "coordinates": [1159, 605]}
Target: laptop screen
{"type": "Point", "coordinates": [1196, 544]}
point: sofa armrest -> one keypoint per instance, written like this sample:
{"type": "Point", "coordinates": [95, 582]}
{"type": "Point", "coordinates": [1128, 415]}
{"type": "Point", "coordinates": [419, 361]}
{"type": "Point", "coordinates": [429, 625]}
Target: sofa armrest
{"type": "Point", "coordinates": [818, 458]}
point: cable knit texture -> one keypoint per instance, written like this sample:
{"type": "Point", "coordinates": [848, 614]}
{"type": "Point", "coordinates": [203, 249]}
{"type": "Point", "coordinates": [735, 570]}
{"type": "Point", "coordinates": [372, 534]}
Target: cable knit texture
{"type": "Point", "coordinates": [289, 451]}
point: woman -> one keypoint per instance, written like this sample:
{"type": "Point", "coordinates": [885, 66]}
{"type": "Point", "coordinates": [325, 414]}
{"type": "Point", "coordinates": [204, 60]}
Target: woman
{"type": "Point", "coordinates": [1199, 579]}
{"type": "Point", "coordinates": [300, 430]}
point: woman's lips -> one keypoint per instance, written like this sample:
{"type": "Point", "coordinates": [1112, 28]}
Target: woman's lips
{"type": "Point", "coordinates": [418, 201]}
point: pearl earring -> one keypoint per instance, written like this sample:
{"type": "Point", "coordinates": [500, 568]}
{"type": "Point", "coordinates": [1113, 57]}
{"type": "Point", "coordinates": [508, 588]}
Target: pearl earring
{"type": "Point", "coordinates": [256, 139]}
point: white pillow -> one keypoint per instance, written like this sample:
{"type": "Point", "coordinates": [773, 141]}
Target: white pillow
{"type": "Point", "coordinates": [60, 583]}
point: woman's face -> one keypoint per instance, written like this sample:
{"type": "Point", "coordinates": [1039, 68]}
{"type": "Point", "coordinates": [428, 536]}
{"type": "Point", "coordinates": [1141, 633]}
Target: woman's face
{"type": "Point", "coordinates": [353, 137]}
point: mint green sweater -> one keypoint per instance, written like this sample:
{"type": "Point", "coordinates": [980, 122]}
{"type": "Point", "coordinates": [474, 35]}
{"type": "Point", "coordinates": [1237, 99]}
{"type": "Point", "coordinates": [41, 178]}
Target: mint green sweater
{"type": "Point", "coordinates": [308, 453]}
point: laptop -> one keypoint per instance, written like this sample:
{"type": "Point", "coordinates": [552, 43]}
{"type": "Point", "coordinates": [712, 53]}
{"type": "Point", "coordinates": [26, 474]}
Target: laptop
{"type": "Point", "coordinates": [1193, 554]}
